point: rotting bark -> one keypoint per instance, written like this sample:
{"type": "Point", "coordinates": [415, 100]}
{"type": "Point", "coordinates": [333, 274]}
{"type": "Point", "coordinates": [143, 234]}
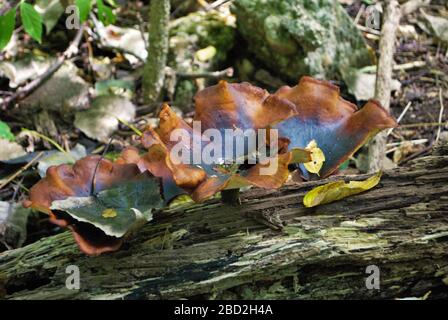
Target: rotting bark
{"type": "Point", "coordinates": [154, 71]}
{"type": "Point", "coordinates": [269, 247]}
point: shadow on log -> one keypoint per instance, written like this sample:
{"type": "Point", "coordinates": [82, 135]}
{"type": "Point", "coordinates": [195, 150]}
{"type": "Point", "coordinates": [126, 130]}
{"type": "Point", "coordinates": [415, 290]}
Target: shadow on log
{"type": "Point", "coordinates": [269, 247]}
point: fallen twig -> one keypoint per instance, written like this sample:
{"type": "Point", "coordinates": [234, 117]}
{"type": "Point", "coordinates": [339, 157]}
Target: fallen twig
{"type": "Point", "coordinates": [400, 117]}
{"type": "Point", "coordinates": [25, 167]}
{"type": "Point", "coordinates": [409, 65]}
{"type": "Point", "coordinates": [368, 30]}
{"type": "Point", "coordinates": [440, 114]}
{"type": "Point", "coordinates": [29, 88]}
{"type": "Point", "coordinates": [226, 73]}
{"type": "Point", "coordinates": [215, 5]}
{"type": "Point", "coordinates": [397, 145]}
{"type": "Point", "coordinates": [422, 124]}
{"type": "Point", "coordinates": [413, 5]}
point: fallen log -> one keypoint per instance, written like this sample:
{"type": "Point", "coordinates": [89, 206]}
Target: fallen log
{"type": "Point", "coordinates": [269, 247]}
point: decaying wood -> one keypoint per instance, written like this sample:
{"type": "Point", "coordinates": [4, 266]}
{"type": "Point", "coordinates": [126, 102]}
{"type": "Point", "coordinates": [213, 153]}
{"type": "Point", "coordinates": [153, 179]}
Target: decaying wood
{"type": "Point", "coordinates": [270, 246]}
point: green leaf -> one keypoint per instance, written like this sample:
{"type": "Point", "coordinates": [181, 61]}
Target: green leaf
{"type": "Point", "coordinates": [105, 14]}
{"type": "Point", "coordinates": [5, 132]}
{"type": "Point", "coordinates": [84, 7]}
{"type": "Point", "coordinates": [116, 211]}
{"type": "Point", "coordinates": [32, 21]}
{"type": "Point", "coordinates": [7, 23]}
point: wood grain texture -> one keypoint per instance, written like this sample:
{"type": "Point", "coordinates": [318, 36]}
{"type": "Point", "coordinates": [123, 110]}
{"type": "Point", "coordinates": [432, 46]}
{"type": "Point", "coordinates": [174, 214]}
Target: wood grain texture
{"type": "Point", "coordinates": [270, 246]}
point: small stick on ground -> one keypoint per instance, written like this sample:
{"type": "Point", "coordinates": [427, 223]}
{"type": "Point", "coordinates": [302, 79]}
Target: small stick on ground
{"type": "Point", "coordinates": [400, 117]}
{"type": "Point", "coordinates": [25, 167]}
{"type": "Point", "coordinates": [413, 5]}
{"type": "Point", "coordinates": [226, 73]}
{"type": "Point", "coordinates": [440, 114]}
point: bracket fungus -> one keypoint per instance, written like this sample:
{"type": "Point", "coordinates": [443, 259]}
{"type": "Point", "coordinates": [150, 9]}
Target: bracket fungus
{"type": "Point", "coordinates": [102, 202]}
{"type": "Point", "coordinates": [335, 124]}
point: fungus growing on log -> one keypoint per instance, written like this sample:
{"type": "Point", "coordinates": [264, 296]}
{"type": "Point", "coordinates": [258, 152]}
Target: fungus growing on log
{"type": "Point", "coordinates": [102, 202]}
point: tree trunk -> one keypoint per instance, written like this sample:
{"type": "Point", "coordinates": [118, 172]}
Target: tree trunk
{"type": "Point", "coordinates": [154, 71]}
{"type": "Point", "coordinates": [270, 246]}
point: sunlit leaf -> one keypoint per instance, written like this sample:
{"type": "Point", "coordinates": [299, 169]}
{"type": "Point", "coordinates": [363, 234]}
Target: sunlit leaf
{"type": "Point", "coordinates": [5, 132]}
{"type": "Point", "coordinates": [317, 158]}
{"type": "Point", "coordinates": [32, 21]}
{"type": "Point", "coordinates": [181, 200]}
{"type": "Point", "coordinates": [84, 7]}
{"type": "Point", "coordinates": [7, 23]}
{"type": "Point", "coordinates": [109, 213]}
{"type": "Point", "coordinates": [105, 14]}
{"type": "Point", "coordinates": [206, 54]}
{"type": "Point", "coordinates": [338, 190]}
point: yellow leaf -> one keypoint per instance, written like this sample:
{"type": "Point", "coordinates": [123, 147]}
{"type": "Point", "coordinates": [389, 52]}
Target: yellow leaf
{"type": "Point", "coordinates": [181, 200]}
{"type": "Point", "coordinates": [206, 54]}
{"type": "Point", "coordinates": [317, 158]}
{"type": "Point", "coordinates": [338, 190]}
{"type": "Point", "coordinates": [109, 213]}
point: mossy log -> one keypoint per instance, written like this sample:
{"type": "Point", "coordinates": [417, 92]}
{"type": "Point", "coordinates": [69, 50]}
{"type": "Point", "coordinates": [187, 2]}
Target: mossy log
{"type": "Point", "coordinates": [270, 246]}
